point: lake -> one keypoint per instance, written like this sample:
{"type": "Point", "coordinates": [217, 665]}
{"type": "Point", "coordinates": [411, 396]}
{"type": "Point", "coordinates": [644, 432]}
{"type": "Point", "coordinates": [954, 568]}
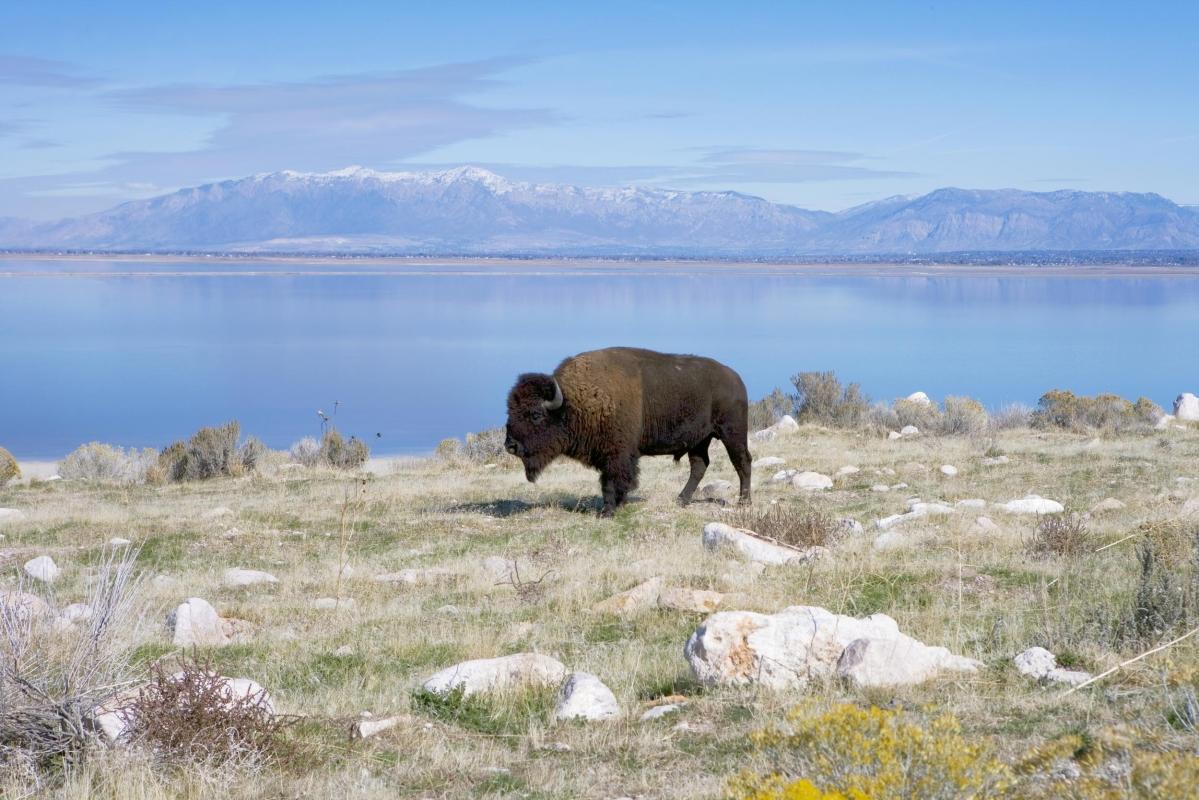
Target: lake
{"type": "Point", "coordinates": [143, 352]}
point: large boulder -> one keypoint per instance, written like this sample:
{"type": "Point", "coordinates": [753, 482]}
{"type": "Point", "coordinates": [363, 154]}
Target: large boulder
{"type": "Point", "coordinates": [811, 481]}
{"type": "Point", "coordinates": [784, 426]}
{"type": "Point", "coordinates": [755, 548]}
{"type": "Point", "coordinates": [1186, 408]}
{"type": "Point", "coordinates": [804, 643]}
{"type": "Point", "coordinates": [495, 674]}
{"type": "Point", "coordinates": [919, 397]}
{"type": "Point", "coordinates": [584, 696]}
{"type": "Point", "coordinates": [195, 623]}
{"type": "Point", "coordinates": [18, 606]}
{"type": "Point", "coordinates": [9, 469]}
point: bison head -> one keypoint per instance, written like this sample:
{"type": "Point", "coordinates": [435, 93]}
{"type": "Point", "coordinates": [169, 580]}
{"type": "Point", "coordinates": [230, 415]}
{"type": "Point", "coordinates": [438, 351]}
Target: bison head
{"type": "Point", "coordinates": [535, 424]}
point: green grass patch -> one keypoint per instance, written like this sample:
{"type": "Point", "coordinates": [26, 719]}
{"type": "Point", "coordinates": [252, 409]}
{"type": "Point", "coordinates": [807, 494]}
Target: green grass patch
{"type": "Point", "coordinates": [501, 714]}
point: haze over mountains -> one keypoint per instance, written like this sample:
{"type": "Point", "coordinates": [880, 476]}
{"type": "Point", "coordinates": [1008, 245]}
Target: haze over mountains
{"type": "Point", "coordinates": [468, 210]}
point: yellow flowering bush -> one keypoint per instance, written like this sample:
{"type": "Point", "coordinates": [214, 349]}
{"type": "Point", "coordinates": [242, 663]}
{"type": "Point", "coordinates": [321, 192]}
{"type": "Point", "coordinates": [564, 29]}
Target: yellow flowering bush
{"type": "Point", "coordinates": [851, 753]}
{"type": "Point", "coordinates": [1106, 767]}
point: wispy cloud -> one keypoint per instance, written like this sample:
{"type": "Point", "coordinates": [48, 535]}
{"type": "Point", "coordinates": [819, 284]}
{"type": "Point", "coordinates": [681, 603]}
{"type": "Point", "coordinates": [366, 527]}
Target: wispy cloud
{"type": "Point", "coordinates": [42, 73]}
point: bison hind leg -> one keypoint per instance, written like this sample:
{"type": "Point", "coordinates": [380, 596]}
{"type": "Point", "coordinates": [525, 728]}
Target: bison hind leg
{"type": "Point", "coordinates": [698, 456]}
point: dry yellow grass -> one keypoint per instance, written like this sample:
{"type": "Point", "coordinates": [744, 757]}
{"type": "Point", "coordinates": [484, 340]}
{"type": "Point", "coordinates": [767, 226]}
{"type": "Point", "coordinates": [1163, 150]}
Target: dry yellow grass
{"type": "Point", "coordinates": [980, 594]}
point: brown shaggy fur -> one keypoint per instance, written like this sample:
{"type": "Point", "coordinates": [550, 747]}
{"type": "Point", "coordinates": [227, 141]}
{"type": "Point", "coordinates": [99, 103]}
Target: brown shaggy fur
{"type": "Point", "coordinates": [622, 403]}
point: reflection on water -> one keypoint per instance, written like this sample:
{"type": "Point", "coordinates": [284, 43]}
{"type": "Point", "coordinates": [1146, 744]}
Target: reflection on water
{"type": "Point", "coordinates": [418, 354]}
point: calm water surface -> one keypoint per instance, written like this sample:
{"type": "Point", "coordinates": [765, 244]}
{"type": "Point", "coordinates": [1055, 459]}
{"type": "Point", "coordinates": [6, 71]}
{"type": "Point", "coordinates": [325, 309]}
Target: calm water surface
{"type": "Point", "coordinates": [143, 353]}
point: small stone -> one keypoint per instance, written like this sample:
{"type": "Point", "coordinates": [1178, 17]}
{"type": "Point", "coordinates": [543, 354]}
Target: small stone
{"type": "Point", "coordinates": [333, 603]}
{"type": "Point", "coordinates": [973, 502]}
{"type": "Point", "coordinates": [880, 487]}
{"type": "Point", "coordinates": [344, 651]}
{"type": "Point", "coordinates": [584, 696]}
{"type": "Point", "coordinates": [195, 623]}
{"type": "Point", "coordinates": [42, 568]}
{"type": "Point", "coordinates": [811, 481]}
{"type": "Point", "coordinates": [1035, 662]}
{"type": "Point", "coordinates": [769, 461]}
{"type": "Point", "coordinates": [893, 435]}
{"type": "Point", "coordinates": [992, 461]}
{"type": "Point", "coordinates": [700, 601]}
{"type": "Point", "coordinates": [897, 486]}
{"type": "Point", "coordinates": [498, 567]}
{"type": "Point", "coordinates": [755, 548]}
{"type": "Point", "coordinates": [848, 470]}
{"type": "Point", "coordinates": [416, 577]}
{"type": "Point", "coordinates": [783, 475]}
{"type": "Point", "coordinates": [660, 711]}
{"type": "Point", "coordinates": [889, 540]}
{"type": "Point", "coordinates": [448, 610]}
{"type": "Point", "coordinates": [368, 727]}
{"type": "Point", "coordinates": [505, 672]}
{"type": "Point", "coordinates": [237, 576]}
{"type": "Point", "coordinates": [1032, 504]}
{"type": "Point", "coordinates": [909, 430]}
{"type": "Point", "coordinates": [850, 526]}
{"type": "Point", "coordinates": [1106, 505]}
{"type": "Point", "coordinates": [118, 541]}
{"type": "Point", "coordinates": [75, 612]}
{"type": "Point", "coordinates": [716, 490]}
{"type": "Point", "coordinates": [949, 470]}
{"type": "Point", "coordinates": [642, 596]}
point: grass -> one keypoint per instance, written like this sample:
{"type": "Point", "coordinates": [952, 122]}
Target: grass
{"type": "Point", "coordinates": [980, 594]}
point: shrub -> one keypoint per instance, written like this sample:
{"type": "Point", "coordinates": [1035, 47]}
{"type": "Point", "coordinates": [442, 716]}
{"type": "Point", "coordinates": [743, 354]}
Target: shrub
{"type": "Point", "coordinates": [821, 399]}
{"type": "Point", "coordinates": [796, 524]}
{"type": "Point", "coordinates": [252, 454]}
{"type": "Point", "coordinates": [307, 451]}
{"type": "Point", "coordinates": [1167, 593]}
{"type": "Point", "coordinates": [1013, 415]}
{"type": "Point", "coordinates": [963, 416]}
{"type": "Point", "coordinates": [872, 753]}
{"type": "Point", "coordinates": [9, 468]}
{"type": "Point", "coordinates": [342, 454]}
{"type": "Point", "coordinates": [1060, 535]}
{"type": "Point", "coordinates": [1067, 411]}
{"type": "Point", "coordinates": [486, 447]}
{"type": "Point", "coordinates": [925, 416]}
{"type": "Point", "coordinates": [103, 463]}
{"type": "Point", "coordinates": [211, 452]}
{"type": "Point", "coordinates": [1105, 766]}
{"type": "Point", "coordinates": [449, 450]}
{"type": "Point", "coordinates": [770, 409]}
{"type": "Point", "coordinates": [191, 714]}
{"type": "Point", "coordinates": [53, 676]}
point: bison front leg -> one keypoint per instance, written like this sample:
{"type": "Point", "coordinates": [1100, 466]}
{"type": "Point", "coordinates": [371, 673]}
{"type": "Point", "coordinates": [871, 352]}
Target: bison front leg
{"type": "Point", "coordinates": [698, 457]}
{"type": "Point", "coordinates": [616, 482]}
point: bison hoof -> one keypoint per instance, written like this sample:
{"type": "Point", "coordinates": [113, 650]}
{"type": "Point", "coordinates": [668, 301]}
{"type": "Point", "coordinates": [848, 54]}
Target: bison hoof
{"type": "Point", "coordinates": [683, 500]}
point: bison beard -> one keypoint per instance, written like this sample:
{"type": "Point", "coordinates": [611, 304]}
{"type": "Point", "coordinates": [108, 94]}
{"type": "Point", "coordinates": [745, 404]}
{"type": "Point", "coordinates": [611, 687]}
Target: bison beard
{"type": "Point", "coordinates": [607, 408]}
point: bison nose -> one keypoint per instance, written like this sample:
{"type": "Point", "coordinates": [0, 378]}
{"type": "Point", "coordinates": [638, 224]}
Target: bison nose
{"type": "Point", "coordinates": [512, 447]}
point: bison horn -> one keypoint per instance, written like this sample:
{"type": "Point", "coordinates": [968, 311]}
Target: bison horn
{"type": "Point", "coordinates": [556, 403]}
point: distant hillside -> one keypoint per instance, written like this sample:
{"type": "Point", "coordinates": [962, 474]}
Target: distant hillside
{"type": "Point", "coordinates": [470, 210]}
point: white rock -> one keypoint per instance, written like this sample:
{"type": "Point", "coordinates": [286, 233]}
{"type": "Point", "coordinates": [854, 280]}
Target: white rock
{"type": "Point", "coordinates": [416, 577]}
{"type": "Point", "coordinates": [1035, 662]}
{"type": "Point", "coordinates": [344, 651]}
{"type": "Point", "coordinates": [1108, 504]}
{"type": "Point", "coordinates": [973, 502]}
{"type": "Point", "coordinates": [366, 728]}
{"type": "Point", "coordinates": [1186, 407]}
{"type": "Point", "coordinates": [1032, 504]}
{"type": "Point", "coordinates": [640, 597]}
{"type": "Point", "coordinates": [992, 461]}
{"type": "Point", "coordinates": [1163, 422]}
{"type": "Point", "coordinates": [880, 487]}
{"type": "Point", "coordinates": [928, 509]}
{"type": "Point", "coordinates": [783, 427]}
{"type": "Point", "coordinates": [783, 475]}
{"type": "Point", "coordinates": [333, 603]}
{"type": "Point", "coordinates": [11, 515]}
{"type": "Point", "coordinates": [920, 397]}
{"type": "Point", "coordinates": [700, 601]}
{"type": "Point", "coordinates": [949, 470]}
{"type": "Point", "coordinates": [196, 623]}
{"type": "Point", "coordinates": [75, 612]}
{"type": "Point", "coordinates": [811, 481]}
{"type": "Point", "coordinates": [498, 567]}
{"type": "Point", "coordinates": [1070, 676]}
{"type": "Point", "coordinates": [902, 661]}
{"type": "Point", "coordinates": [893, 435]}
{"type": "Point", "coordinates": [986, 524]}
{"type": "Point", "coordinates": [118, 541]}
{"type": "Point", "coordinates": [584, 696]}
{"type": "Point", "coordinates": [246, 577]}
{"type": "Point", "coordinates": [754, 548]}
{"type": "Point", "coordinates": [893, 520]}
{"type": "Point", "coordinates": [716, 490]}
{"type": "Point", "coordinates": [42, 568]}
{"type": "Point", "coordinates": [909, 430]}
{"type": "Point", "coordinates": [236, 690]}
{"type": "Point", "coordinates": [896, 487]}
{"type": "Point", "coordinates": [851, 526]}
{"type": "Point", "coordinates": [769, 461]}
{"type": "Point", "coordinates": [848, 469]}
{"type": "Point", "coordinates": [803, 643]}
{"type": "Point", "coordinates": [505, 672]}
{"type": "Point", "coordinates": [660, 711]}
{"type": "Point", "coordinates": [889, 540]}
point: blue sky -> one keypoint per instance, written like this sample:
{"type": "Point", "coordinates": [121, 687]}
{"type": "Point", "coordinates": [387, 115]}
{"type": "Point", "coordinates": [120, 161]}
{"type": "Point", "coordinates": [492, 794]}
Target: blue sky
{"type": "Point", "coordinates": [824, 105]}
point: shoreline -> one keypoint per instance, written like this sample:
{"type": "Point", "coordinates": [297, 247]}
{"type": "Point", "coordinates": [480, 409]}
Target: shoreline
{"type": "Point", "coordinates": [353, 266]}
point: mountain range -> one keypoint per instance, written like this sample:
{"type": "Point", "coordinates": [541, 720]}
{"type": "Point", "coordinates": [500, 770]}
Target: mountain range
{"type": "Point", "coordinates": [468, 210]}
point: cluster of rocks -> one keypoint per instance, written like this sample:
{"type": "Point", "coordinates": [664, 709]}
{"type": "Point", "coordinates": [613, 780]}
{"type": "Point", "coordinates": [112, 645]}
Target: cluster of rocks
{"type": "Point", "coordinates": [654, 594]}
{"type": "Point", "coordinates": [1040, 664]}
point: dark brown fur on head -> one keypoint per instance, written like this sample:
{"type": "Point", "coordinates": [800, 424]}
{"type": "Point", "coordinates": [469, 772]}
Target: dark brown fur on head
{"type": "Point", "coordinates": [535, 434]}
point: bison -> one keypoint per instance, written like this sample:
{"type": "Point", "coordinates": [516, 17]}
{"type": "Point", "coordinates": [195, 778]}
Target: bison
{"type": "Point", "coordinates": [607, 408]}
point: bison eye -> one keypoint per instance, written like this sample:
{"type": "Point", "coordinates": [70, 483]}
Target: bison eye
{"type": "Point", "coordinates": [537, 415]}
